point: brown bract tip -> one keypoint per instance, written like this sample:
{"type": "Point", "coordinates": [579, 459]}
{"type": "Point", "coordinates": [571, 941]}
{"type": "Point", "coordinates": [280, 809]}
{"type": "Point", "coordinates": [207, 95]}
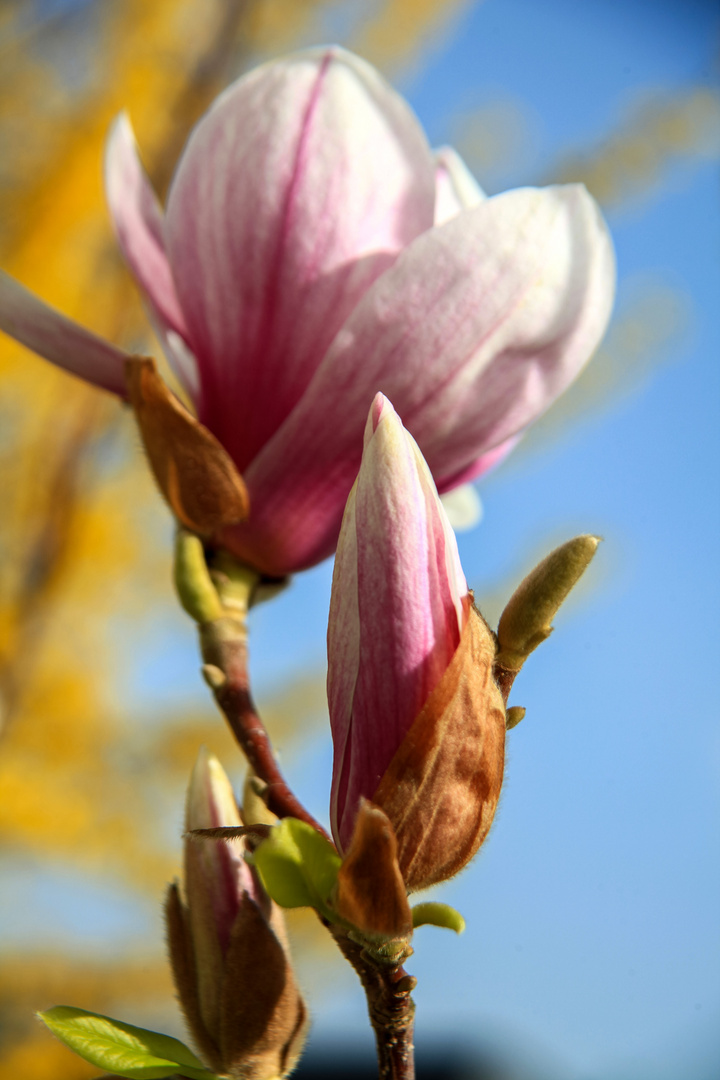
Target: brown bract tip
{"type": "Point", "coordinates": [194, 472]}
{"type": "Point", "coordinates": [370, 891]}
{"type": "Point", "coordinates": [185, 976]}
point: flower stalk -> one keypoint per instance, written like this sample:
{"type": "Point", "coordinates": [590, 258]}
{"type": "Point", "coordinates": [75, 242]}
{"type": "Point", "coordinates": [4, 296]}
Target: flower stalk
{"type": "Point", "coordinates": [219, 601]}
{"type": "Point", "coordinates": [391, 1009]}
{"type": "Point", "coordinates": [223, 644]}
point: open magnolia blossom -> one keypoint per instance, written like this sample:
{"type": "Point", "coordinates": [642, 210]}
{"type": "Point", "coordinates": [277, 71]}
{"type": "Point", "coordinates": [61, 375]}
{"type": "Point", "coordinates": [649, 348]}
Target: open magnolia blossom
{"type": "Point", "coordinates": [228, 946]}
{"type": "Point", "coordinates": [418, 723]}
{"type": "Point", "coordinates": [314, 251]}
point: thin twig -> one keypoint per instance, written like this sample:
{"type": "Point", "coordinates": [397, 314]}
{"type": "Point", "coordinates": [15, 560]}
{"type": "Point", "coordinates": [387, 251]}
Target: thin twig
{"type": "Point", "coordinates": [387, 986]}
{"type": "Point", "coordinates": [224, 651]}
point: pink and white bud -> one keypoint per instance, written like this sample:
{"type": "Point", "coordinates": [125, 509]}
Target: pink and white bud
{"type": "Point", "coordinates": [313, 252]}
{"type": "Point", "coordinates": [228, 947]}
{"type": "Point", "coordinates": [400, 616]}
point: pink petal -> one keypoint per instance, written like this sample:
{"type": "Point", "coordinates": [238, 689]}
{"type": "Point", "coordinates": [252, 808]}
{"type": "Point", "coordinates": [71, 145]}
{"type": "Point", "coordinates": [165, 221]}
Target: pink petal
{"type": "Point", "coordinates": [64, 342]}
{"type": "Point", "coordinates": [456, 188]}
{"type": "Point", "coordinates": [344, 647]}
{"type": "Point", "coordinates": [297, 189]}
{"type": "Point", "coordinates": [396, 616]}
{"type": "Point", "coordinates": [473, 332]}
{"type": "Point", "coordinates": [139, 226]}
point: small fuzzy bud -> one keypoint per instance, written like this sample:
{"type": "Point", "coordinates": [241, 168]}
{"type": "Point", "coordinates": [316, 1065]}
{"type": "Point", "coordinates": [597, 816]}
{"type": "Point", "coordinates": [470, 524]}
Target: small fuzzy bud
{"type": "Point", "coordinates": [194, 472]}
{"type": "Point", "coordinates": [513, 716]}
{"type": "Point", "coordinates": [228, 946]}
{"type": "Point", "coordinates": [526, 621]}
{"type": "Point", "coordinates": [213, 676]}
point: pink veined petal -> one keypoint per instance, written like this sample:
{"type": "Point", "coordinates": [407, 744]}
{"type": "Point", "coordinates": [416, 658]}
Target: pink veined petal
{"type": "Point", "coordinates": [456, 188]}
{"type": "Point", "coordinates": [409, 592]}
{"type": "Point", "coordinates": [479, 325]}
{"type": "Point", "coordinates": [64, 342]}
{"type": "Point", "coordinates": [344, 647]}
{"type": "Point", "coordinates": [139, 226]}
{"type": "Point", "coordinates": [296, 190]}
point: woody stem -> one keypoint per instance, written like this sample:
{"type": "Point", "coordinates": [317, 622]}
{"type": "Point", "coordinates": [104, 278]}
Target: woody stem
{"type": "Point", "coordinates": [224, 649]}
{"type": "Point", "coordinates": [390, 1007]}
{"type": "Point", "coordinates": [387, 987]}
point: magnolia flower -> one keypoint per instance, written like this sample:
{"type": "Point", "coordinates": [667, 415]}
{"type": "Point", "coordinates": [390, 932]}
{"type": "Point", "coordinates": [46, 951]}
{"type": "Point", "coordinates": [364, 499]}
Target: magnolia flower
{"type": "Point", "coordinates": [417, 721]}
{"type": "Point", "coordinates": [313, 251]}
{"type": "Point", "coordinates": [228, 947]}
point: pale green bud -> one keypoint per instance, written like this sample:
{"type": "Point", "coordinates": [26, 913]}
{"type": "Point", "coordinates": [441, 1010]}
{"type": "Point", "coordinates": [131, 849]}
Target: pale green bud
{"type": "Point", "coordinates": [526, 621]}
{"type": "Point", "coordinates": [195, 587]}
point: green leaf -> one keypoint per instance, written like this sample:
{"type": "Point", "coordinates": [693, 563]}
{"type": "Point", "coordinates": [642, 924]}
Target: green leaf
{"type": "Point", "coordinates": [297, 865]}
{"type": "Point", "coordinates": [434, 914]}
{"type": "Point", "coordinates": [122, 1048]}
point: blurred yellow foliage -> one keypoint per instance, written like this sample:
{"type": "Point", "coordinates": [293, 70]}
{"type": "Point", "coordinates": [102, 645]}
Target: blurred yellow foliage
{"type": "Point", "coordinates": [401, 28]}
{"type": "Point", "coordinates": [657, 133]}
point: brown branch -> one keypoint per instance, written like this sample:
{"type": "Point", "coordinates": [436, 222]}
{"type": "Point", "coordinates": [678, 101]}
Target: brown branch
{"type": "Point", "coordinates": [390, 1007]}
{"type": "Point", "coordinates": [224, 649]}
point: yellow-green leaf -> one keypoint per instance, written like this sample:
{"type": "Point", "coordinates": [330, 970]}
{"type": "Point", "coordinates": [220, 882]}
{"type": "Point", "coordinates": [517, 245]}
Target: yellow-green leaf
{"type": "Point", "coordinates": [297, 865]}
{"type": "Point", "coordinates": [121, 1048]}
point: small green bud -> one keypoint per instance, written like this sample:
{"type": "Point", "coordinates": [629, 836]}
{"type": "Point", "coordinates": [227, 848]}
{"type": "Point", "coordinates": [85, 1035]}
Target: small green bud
{"type": "Point", "coordinates": [195, 587]}
{"type": "Point", "coordinates": [213, 676]}
{"type": "Point", "coordinates": [513, 716]}
{"type": "Point", "coordinates": [432, 913]}
{"type": "Point", "coordinates": [254, 807]}
{"type": "Point", "coordinates": [526, 621]}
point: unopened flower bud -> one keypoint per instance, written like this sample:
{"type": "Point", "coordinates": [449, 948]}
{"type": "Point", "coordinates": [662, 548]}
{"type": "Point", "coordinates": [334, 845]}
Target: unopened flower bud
{"type": "Point", "coordinates": [228, 947]}
{"type": "Point", "coordinates": [526, 621]}
{"type": "Point", "coordinates": [418, 722]}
